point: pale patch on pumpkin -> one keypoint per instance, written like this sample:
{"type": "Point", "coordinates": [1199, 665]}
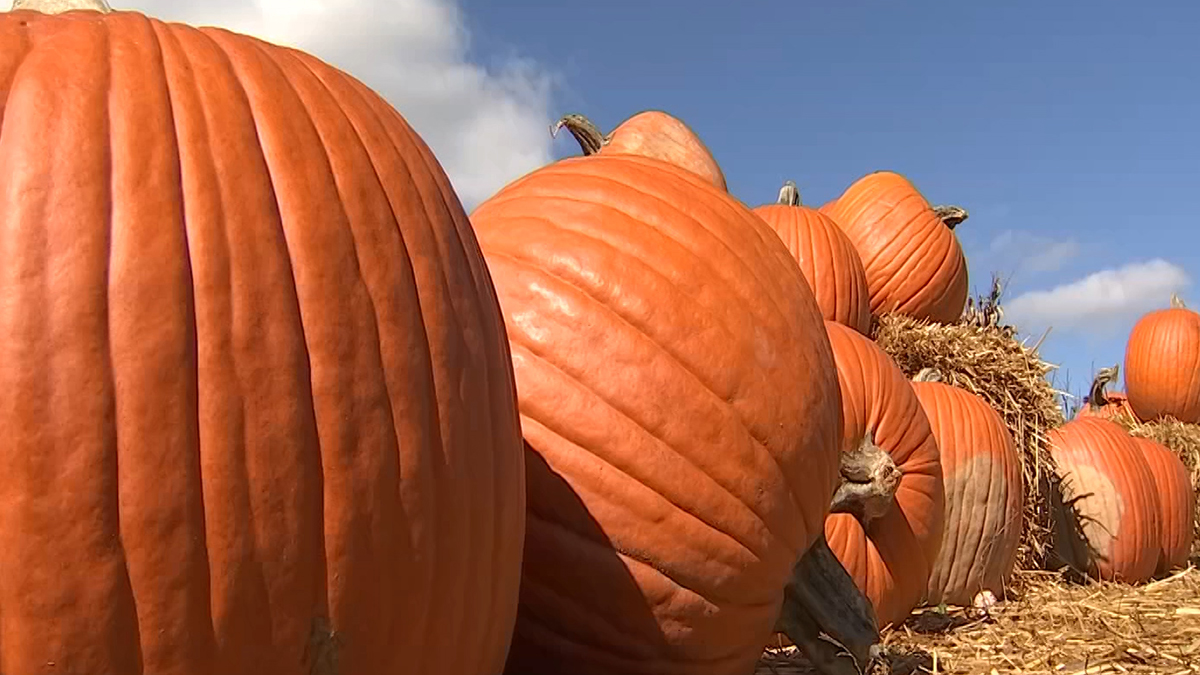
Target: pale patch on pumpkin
{"type": "Point", "coordinates": [1097, 507]}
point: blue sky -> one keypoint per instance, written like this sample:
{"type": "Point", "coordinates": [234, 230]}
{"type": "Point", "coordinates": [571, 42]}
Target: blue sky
{"type": "Point", "coordinates": [1069, 130]}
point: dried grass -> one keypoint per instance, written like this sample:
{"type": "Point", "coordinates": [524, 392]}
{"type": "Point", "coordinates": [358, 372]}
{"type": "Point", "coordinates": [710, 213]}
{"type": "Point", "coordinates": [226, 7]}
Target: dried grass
{"type": "Point", "coordinates": [1052, 626]}
{"type": "Point", "coordinates": [1184, 440]}
{"type": "Point", "coordinates": [986, 358]}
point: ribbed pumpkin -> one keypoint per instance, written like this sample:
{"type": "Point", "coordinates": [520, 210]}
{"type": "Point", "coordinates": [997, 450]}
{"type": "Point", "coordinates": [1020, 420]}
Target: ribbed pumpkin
{"type": "Point", "coordinates": [680, 409]}
{"type": "Point", "coordinates": [826, 257]}
{"type": "Point", "coordinates": [1101, 403]}
{"type": "Point", "coordinates": [260, 411]}
{"type": "Point", "coordinates": [1177, 500]}
{"type": "Point", "coordinates": [1162, 364]}
{"type": "Point", "coordinates": [913, 261]}
{"type": "Point", "coordinates": [890, 545]}
{"type": "Point", "coordinates": [651, 133]}
{"type": "Point", "coordinates": [1110, 527]}
{"type": "Point", "coordinates": [984, 493]}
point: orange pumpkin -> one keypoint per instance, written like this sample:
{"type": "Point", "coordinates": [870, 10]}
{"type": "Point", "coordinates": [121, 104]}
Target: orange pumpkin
{"type": "Point", "coordinates": [651, 133]}
{"type": "Point", "coordinates": [1100, 403]}
{"type": "Point", "coordinates": [1177, 499]}
{"type": "Point", "coordinates": [889, 545]}
{"type": "Point", "coordinates": [659, 333]}
{"type": "Point", "coordinates": [984, 494]}
{"type": "Point", "coordinates": [1162, 359]}
{"type": "Point", "coordinates": [1110, 527]}
{"type": "Point", "coordinates": [826, 257]}
{"type": "Point", "coordinates": [266, 409]}
{"type": "Point", "coordinates": [913, 261]}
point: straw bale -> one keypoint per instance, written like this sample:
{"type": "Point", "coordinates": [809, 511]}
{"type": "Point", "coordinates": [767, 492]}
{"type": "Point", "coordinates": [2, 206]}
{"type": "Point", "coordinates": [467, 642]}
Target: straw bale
{"type": "Point", "coordinates": [1184, 440]}
{"type": "Point", "coordinates": [1051, 626]}
{"type": "Point", "coordinates": [987, 359]}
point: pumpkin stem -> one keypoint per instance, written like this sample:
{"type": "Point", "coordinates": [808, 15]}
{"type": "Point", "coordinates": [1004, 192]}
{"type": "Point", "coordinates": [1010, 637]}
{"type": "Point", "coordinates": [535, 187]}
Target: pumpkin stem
{"type": "Point", "coordinates": [951, 215]}
{"type": "Point", "coordinates": [928, 375]}
{"type": "Point", "coordinates": [789, 194]}
{"type": "Point", "coordinates": [1104, 376]}
{"type": "Point", "coordinates": [60, 6]}
{"type": "Point", "coordinates": [1177, 302]}
{"type": "Point", "coordinates": [870, 479]}
{"type": "Point", "coordinates": [827, 616]}
{"type": "Point", "coordinates": [590, 138]}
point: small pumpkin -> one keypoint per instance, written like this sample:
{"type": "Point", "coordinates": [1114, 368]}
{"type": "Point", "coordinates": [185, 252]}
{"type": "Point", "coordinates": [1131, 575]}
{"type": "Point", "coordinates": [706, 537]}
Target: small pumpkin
{"type": "Point", "coordinates": [1162, 359]}
{"type": "Point", "coordinates": [651, 133]}
{"type": "Point", "coordinates": [1173, 483]}
{"type": "Point", "coordinates": [260, 413]}
{"type": "Point", "coordinates": [887, 523]}
{"type": "Point", "coordinates": [984, 489]}
{"type": "Point", "coordinates": [1101, 403]}
{"type": "Point", "coordinates": [826, 257]}
{"type": "Point", "coordinates": [1109, 525]}
{"type": "Point", "coordinates": [913, 262]}
{"type": "Point", "coordinates": [661, 336]}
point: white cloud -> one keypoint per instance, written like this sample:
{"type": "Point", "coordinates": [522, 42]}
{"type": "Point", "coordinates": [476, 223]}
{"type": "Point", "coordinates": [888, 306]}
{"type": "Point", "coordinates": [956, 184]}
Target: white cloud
{"type": "Point", "coordinates": [1101, 301]}
{"type": "Point", "coordinates": [1034, 253]}
{"type": "Point", "coordinates": [486, 126]}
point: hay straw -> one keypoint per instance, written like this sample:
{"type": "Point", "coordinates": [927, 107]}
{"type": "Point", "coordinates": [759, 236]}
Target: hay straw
{"type": "Point", "coordinates": [1051, 627]}
{"type": "Point", "coordinates": [986, 358]}
{"type": "Point", "coordinates": [1184, 440]}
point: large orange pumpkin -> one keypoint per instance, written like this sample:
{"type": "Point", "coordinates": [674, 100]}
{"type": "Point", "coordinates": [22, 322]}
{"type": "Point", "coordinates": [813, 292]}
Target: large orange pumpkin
{"type": "Point", "coordinates": [826, 257]}
{"type": "Point", "coordinates": [890, 541]}
{"type": "Point", "coordinates": [260, 412]}
{"type": "Point", "coordinates": [1162, 364]}
{"type": "Point", "coordinates": [913, 261]}
{"type": "Point", "coordinates": [1176, 498]}
{"type": "Point", "coordinates": [1110, 526]}
{"type": "Point", "coordinates": [1106, 404]}
{"type": "Point", "coordinates": [651, 133]}
{"type": "Point", "coordinates": [984, 493]}
{"type": "Point", "coordinates": [680, 410]}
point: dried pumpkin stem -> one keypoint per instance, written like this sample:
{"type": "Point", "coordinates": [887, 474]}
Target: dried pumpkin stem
{"type": "Point", "coordinates": [1177, 302]}
{"type": "Point", "coordinates": [870, 479]}
{"type": "Point", "coordinates": [1105, 376]}
{"type": "Point", "coordinates": [590, 138]}
{"type": "Point", "coordinates": [789, 194]}
{"type": "Point", "coordinates": [952, 216]}
{"type": "Point", "coordinates": [60, 6]}
{"type": "Point", "coordinates": [928, 375]}
{"type": "Point", "coordinates": [827, 616]}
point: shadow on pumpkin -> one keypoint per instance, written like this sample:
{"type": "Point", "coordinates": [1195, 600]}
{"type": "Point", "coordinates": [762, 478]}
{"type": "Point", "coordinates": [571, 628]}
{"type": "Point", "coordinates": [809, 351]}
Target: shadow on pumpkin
{"type": "Point", "coordinates": [1071, 552]}
{"type": "Point", "coordinates": [581, 610]}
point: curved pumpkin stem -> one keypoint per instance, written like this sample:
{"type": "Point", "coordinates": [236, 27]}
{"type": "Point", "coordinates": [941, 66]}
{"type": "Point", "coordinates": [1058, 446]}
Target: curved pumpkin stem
{"type": "Point", "coordinates": [590, 138]}
{"type": "Point", "coordinates": [1104, 377]}
{"type": "Point", "coordinates": [789, 194]}
{"type": "Point", "coordinates": [1177, 302]}
{"type": "Point", "coordinates": [952, 216]}
{"type": "Point", "coordinates": [928, 375]}
{"type": "Point", "coordinates": [870, 479]}
{"type": "Point", "coordinates": [60, 6]}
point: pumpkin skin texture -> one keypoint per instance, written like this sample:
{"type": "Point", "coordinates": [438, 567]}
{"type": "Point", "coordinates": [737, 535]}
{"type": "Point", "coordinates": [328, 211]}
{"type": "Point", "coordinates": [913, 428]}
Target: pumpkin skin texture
{"type": "Point", "coordinates": [913, 261]}
{"type": "Point", "coordinates": [826, 257]}
{"type": "Point", "coordinates": [891, 557]}
{"type": "Point", "coordinates": [1162, 359]}
{"type": "Point", "coordinates": [1115, 496]}
{"type": "Point", "coordinates": [659, 333]}
{"type": "Point", "coordinates": [984, 495]}
{"type": "Point", "coordinates": [1176, 499]}
{"type": "Point", "coordinates": [266, 404]}
{"type": "Point", "coordinates": [651, 133]}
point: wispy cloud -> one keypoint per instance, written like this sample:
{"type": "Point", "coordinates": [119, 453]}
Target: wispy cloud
{"type": "Point", "coordinates": [1101, 302]}
{"type": "Point", "coordinates": [1031, 252]}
